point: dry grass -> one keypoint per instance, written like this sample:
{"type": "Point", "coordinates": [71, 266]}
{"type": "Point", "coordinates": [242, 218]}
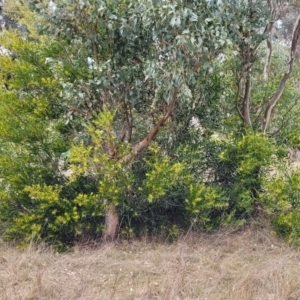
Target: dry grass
{"type": "Point", "coordinates": [250, 264]}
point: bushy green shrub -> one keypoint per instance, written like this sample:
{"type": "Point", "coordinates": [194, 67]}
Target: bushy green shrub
{"type": "Point", "coordinates": [237, 163]}
{"type": "Point", "coordinates": [281, 199]}
{"type": "Point", "coordinates": [55, 214]}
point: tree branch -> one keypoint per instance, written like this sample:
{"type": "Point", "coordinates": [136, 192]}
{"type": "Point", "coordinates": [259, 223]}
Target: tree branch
{"type": "Point", "coordinates": [146, 141]}
{"type": "Point", "coordinates": [285, 120]}
{"type": "Point", "coordinates": [275, 98]}
{"type": "Point", "coordinates": [274, 16]}
{"type": "Point", "coordinates": [238, 97]}
{"type": "Point", "coordinates": [129, 122]}
{"type": "Point", "coordinates": [246, 101]}
{"type": "Point", "coordinates": [268, 61]}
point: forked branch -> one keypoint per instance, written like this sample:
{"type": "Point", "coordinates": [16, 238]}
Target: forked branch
{"type": "Point", "coordinates": [151, 135]}
{"type": "Point", "coordinates": [275, 98]}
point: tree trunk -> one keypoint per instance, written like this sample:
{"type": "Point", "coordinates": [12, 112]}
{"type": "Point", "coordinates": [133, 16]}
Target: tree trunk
{"type": "Point", "coordinates": [111, 223]}
{"type": "Point", "coordinates": [111, 217]}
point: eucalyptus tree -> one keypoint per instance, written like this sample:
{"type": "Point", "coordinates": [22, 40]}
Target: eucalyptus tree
{"type": "Point", "coordinates": [263, 96]}
{"type": "Point", "coordinates": [249, 38]}
{"type": "Point", "coordinates": [145, 60]}
{"type": "Point", "coordinates": [141, 59]}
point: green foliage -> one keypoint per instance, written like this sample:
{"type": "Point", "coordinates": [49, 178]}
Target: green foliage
{"type": "Point", "coordinates": [162, 175]}
{"type": "Point", "coordinates": [93, 81]}
{"type": "Point", "coordinates": [254, 151]}
{"type": "Point", "coordinates": [56, 218]}
{"type": "Point", "coordinates": [101, 159]}
{"type": "Point", "coordinates": [30, 144]}
{"type": "Point", "coordinates": [287, 225]}
{"type": "Point", "coordinates": [239, 163]}
{"type": "Point", "coordinates": [282, 201]}
{"type": "Point", "coordinates": [204, 202]}
{"type": "Point", "coordinates": [293, 138]}
{"type": "Point", "coordinates": [282, 192]}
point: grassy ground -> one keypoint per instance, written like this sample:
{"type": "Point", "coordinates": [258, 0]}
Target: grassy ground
{"type": "Point", "coordinates": [249, 264]}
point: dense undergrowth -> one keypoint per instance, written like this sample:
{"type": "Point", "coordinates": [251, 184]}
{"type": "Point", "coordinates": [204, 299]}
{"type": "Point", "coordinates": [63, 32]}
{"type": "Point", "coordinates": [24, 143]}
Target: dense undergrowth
{"type": "Point", "coordinates": [125, 119]}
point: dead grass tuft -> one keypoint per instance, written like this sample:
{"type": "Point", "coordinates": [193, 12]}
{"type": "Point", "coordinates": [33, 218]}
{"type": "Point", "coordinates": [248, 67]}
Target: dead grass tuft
{"type": "Point", "coordinates": [249, 264]}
